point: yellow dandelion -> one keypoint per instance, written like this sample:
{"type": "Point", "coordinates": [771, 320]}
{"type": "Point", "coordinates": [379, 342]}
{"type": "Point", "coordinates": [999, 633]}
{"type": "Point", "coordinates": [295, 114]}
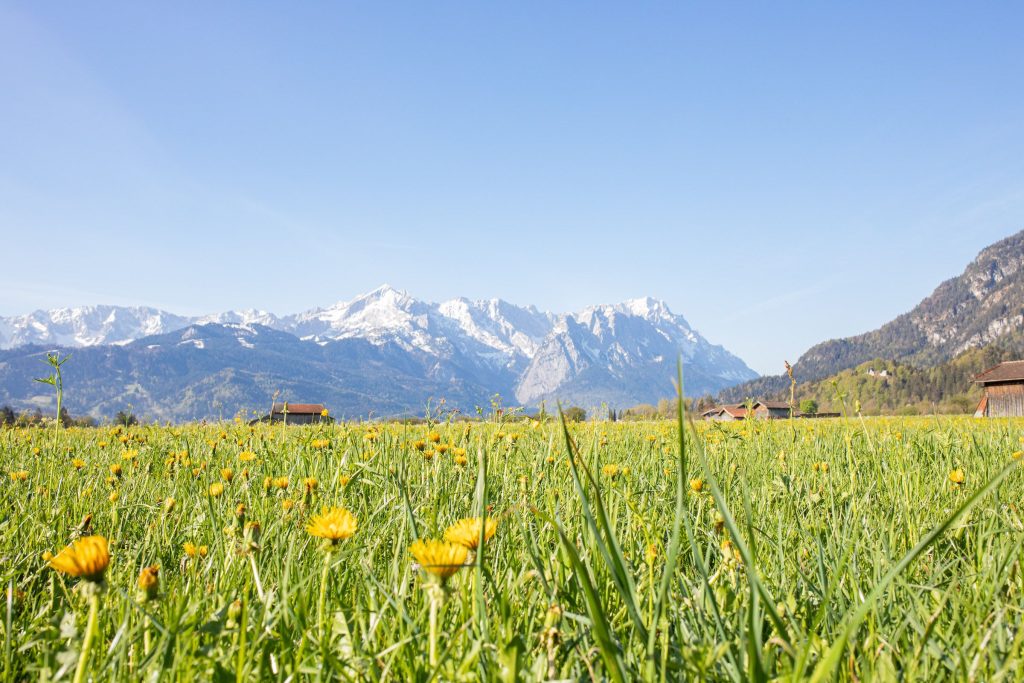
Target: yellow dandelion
{"type": "Point", "coordinates": [216, 489]}
{"type": "Point", "coordinates": [467, 531]}
{"type": "Point", "coordinates": [957, 477]}
{"type": "Point", "coordinates": [246, 456]}
{"type": "Point", "coordinates": [86, 558]}
{"type": "Point", "coordinates": [439, 558]}
{"type": "Point", "coordinates": [333, 524]}
{"type": "Point", "coordinates": [78, 463]}
{"type": "Point", "coordinates": [697, 485]}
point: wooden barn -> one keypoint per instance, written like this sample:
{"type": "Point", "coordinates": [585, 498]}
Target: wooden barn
{"type": "Point", "coordinates": [1004, 390]}
{"type": "Point", "coordinates": [296, 413]}
{"type": "Point", "coordinates": [772, 410]}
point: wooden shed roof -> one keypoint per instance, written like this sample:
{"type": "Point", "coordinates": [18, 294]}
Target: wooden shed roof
{"type": "Point", "coordinates": [1010, 371]}
{"type": "Point", "coordinates": [300, 408]}
{"type": "Point", "coordinates": [772, 405]}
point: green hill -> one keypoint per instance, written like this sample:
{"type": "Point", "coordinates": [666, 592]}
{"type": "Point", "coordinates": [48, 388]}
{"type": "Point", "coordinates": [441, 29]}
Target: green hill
{"type": "Point", "coordinates": [908, 389]}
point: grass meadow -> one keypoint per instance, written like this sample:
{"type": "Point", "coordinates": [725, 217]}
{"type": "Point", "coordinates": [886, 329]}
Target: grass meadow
{"type": "Point", "coordinates": [848, 549]}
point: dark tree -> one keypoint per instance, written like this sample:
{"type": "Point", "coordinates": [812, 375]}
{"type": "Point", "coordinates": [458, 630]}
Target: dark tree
{"type": "Point", "coordinates": [575, 414]}
{"type": "Point", "coordinates": [7, 416]}
{"type": "Point", "coordinates": [126, 419]}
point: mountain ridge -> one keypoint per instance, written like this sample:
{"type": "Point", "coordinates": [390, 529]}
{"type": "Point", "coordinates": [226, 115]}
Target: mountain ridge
{"type": "Point", "coordinates": [460, 349]}
{"type": "Point", "coordinates": [964, 312]}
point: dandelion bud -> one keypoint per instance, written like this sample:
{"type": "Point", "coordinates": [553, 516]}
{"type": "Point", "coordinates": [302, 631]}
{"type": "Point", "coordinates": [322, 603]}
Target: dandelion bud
{"type": "Point", "coordinates": [149, 583]}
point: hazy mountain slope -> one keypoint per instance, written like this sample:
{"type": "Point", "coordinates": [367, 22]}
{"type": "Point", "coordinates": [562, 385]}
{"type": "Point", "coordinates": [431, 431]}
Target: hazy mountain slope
{"type": "Point", "coordinates": [211, 370]}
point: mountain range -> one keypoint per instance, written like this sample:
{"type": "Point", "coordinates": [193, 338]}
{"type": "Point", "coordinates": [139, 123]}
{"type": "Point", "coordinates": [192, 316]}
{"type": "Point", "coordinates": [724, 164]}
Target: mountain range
{"type": "Point", "coordinates": [982, 306]}
{"type": "Point", "coordinates": [382, 353]}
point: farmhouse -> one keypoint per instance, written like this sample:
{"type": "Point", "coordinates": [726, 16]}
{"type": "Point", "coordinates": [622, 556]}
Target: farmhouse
{"type": "Point", "coordinates": [296, 413]}
{"type": "Point", "coordinates": [1004, 390]}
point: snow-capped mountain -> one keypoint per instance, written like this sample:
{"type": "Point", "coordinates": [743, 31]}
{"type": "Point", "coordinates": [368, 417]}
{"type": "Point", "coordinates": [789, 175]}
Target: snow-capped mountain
{"type": "Point", "coordinates": [459, 349]}
{"type": "Point", "coordinates": [87, 326]}
{"type": "Point", "coordinates": [622, 355]}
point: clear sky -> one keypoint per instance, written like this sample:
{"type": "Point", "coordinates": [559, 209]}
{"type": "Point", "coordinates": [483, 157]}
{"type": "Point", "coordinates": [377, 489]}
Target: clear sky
{"type": "Point", "coordinates": [779, 173]}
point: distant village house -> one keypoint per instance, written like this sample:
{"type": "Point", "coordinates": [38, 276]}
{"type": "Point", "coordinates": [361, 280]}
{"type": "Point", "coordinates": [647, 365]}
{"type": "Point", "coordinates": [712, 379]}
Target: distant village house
{"type": "Point", "coordinates": [760, 410]}
{"type": "Point", "coordinates": [1004, 390]}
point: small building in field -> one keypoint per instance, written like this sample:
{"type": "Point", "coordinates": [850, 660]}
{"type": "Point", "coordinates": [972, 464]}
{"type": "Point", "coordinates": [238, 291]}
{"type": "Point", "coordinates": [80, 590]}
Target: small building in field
{"type": "Point", "coordinates": [297, 413]}
{"type": "Point", "coordinates": [1004, 390]}
{"type": "Point", "coordinates": [772, 410]}
{"type": "Point", "coordinates": [726, 413]}
{"type": "Point", "coordinates": [759, 410]}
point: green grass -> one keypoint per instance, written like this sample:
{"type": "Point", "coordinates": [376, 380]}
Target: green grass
{"type": "Point", "coordinates": [876, 568]}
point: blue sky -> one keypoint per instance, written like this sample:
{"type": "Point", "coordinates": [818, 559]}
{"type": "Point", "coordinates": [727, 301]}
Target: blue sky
{"type": "Point", "coordinates": [780, 173]}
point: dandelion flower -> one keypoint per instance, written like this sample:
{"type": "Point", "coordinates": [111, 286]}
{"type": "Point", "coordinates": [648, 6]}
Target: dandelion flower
{"type": "Point", "coordinates": [86, 558]}
{"type": "Point", "coordinates": [216, 489]}
{"type": "Point", "coordinates": [696, 485]}
{"type": "Point", "coordinates": [610, 470]}
{"type": "Point", "coordinates": [467, 531]}
{"type": "Point", "coordinates": [333, 524]}
{"type": "Point", "coordinates": [149, 583]}
{"type": "Point", "coordinates": [192, 550]}
{"type": "Point", "coordinates": [439, 558]}
{"type": "Point", "coordinates": [957, 477]}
